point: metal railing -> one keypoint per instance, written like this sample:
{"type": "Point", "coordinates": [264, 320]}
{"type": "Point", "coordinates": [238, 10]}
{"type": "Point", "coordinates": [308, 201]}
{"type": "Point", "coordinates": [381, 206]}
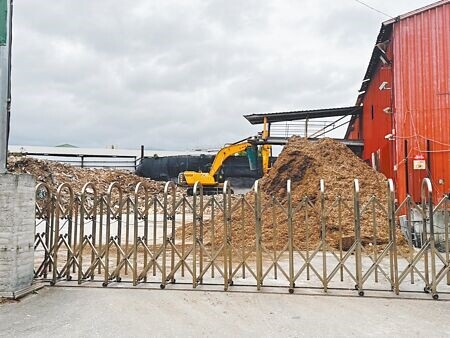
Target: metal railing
{"type": "Point", "coordinates": [126, 162]}
{"type": "Point", "coordinates": [256, 239]}
{"type": "Point", "coordinates": [304, 128]}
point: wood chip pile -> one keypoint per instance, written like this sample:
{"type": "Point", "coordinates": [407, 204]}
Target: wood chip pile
{"type": "Point", "coordinates": [305, 163]}
{"type": "Point", "coordinates": [54, 174]}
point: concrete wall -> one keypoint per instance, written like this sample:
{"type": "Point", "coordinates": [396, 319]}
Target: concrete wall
{"type": "Point", "coordinates": [17, 223]}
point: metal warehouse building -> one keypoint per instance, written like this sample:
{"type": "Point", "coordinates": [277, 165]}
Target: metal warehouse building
{"type": "Point", "coordinates": [405, 95]}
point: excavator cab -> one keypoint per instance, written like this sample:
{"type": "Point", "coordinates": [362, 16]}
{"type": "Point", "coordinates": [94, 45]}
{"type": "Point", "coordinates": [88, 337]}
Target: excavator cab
{"type": "Point", "coordinates": [252, 154]}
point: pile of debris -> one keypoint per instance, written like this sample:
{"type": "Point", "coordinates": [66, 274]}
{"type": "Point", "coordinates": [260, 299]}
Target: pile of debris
{"type": "Point", "coordinates": [55, 173]}
{"type": "Point", "coordinates": [305, 163]}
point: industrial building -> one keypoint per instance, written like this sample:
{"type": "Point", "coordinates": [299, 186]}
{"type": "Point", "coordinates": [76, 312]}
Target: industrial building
{"type": "Point", "coordinates": [400, 123]}
{"type": "Point", "coordinates": [405, 95]}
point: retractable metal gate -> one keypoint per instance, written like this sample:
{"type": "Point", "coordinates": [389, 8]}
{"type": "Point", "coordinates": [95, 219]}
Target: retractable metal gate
{"type": "Point", "coordinates": [257, 239]}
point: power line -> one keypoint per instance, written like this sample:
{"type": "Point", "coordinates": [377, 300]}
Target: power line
{"type": "Point", "coordinates": [373, 8]}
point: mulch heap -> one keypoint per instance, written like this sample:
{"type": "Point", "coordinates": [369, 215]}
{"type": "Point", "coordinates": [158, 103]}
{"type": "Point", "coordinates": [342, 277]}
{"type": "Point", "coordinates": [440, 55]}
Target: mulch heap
{"type": "Point", "coordinates": [55, 173]}
{"type": "Point", "coordinates": [305, 162]}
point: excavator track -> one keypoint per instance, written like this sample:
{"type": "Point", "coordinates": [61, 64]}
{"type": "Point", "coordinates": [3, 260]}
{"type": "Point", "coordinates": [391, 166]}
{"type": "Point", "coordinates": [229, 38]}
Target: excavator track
{"type": "Point", "coordinates": [208, 190]}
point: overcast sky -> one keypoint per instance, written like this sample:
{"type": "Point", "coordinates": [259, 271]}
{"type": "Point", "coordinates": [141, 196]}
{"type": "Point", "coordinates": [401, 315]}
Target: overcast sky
{"type": "Point", "coordinates": [180, 74]}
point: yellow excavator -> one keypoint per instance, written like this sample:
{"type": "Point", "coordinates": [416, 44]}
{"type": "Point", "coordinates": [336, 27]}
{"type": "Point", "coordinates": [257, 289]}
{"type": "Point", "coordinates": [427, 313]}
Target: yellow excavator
{"type": "Point", "coordinates": [211, 181]}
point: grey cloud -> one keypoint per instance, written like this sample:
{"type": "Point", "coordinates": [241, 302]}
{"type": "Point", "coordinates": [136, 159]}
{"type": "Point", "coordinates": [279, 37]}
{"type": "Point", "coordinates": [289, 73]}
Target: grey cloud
{"type": "Point", "coordinates": [180, 74]}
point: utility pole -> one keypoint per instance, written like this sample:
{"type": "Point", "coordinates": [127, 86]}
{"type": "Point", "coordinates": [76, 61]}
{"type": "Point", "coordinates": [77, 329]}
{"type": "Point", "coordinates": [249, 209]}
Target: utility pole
{"type": "Point", "coordinates": [5, 78]}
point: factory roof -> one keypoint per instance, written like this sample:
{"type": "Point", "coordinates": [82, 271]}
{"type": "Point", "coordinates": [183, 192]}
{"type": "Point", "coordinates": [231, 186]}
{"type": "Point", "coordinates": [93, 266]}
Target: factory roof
{"type": "Point", "coordinates": [379, 51]}
{"type": "Point", "coordinates": [302, 114]}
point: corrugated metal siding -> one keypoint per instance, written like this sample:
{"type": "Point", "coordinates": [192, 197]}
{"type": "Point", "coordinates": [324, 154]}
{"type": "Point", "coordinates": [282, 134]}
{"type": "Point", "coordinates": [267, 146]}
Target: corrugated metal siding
{"type": "Point", "coordinates": [353, 130]}
{"type": "Point", "coordinates": [376, 124]}
{"type": "Point", "coordinates": [421, 68]}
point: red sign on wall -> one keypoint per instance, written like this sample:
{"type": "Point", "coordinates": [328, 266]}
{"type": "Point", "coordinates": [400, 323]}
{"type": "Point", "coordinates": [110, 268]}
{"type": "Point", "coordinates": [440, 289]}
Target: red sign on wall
{"type": "Point", "coordinates": [419, 162]}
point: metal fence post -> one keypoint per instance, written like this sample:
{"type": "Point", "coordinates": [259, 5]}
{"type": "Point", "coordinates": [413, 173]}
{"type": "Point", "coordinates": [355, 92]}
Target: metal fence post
{"type": "Point", "coordinates": [258, 235]}
{"type": "Point", "coordinates": [410, 243]}
{"type": "Point", "coordinates": [109, 216]}
{"type": "Point", "coordinates": [66, 212]}
{"type": "Point", "coordinates": [100, 229]}
{"type": "Point", "coordinates": [169, 185]}
{"type": "Point", "coordinates": [136, 227]}
{"type": "Point", "coordinates": [43, 192]}
{"type": "Point", "coordinates": [201, 237]}
{"type": "Point", "coordinates": [69, 256]}
{"type": "Point", "coordinates": [135, 233]}
{"type": "Point", "coordinates": [290, 237]}
{"type": "Point", "coordinates": [94, 230]}
{"type": "Point", "coordinates": [155, 202]}
{"type": "Point", "coordinates": [81, 234]}
{"type": "Point", "coordinates": [229, 236]}
{"type": "Point", "coordinates": [55, 240]}
{"type": "Point", "coordinates": [357, 218]}
{"type": "Point", "coordinates": [198, 190]}
{"type": "Point", "coordinates": [52, 228]}
{"type": "Point", "coordinates": [227, 268]}
{"type": "Point", "coordinates": [393, 237]}
{"type": "Point", "coordinates": [173, 234]}
{"type": "Point", "coordinates": [427, 203]}
{"type": "Point", "coordinates": [425, 239]}
{"type": "Point", "coordinates": [324, 234]}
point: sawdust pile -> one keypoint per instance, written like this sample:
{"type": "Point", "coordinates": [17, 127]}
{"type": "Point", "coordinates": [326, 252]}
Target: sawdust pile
{"type": "Point", "coordinates": [54, 174]}
{"type": "Point", "coordinates": [305, 163]}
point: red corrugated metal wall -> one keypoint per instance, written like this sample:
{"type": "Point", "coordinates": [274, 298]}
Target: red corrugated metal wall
{"type": "Point", "coordinates": [374, 124]}
{"type": "Point", "coordinates": [421, 69]}
{"type": "Point", "coordinates": [353, 133]}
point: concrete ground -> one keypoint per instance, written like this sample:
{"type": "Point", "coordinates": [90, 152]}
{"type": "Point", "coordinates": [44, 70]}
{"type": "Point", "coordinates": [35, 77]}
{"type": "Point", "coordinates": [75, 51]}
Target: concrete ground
{"type": "Point", "coordinates": [121, 312]}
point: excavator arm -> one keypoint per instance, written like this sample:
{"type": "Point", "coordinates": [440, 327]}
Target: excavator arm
{"type": "Point", "coordinates": [226, 152]}
{"type": "Point", "coordinates": [189, 178]}
{"type": "Point", "coordinates": [265, 154]}
{"type": "Point", "coordinates": [208, 179]}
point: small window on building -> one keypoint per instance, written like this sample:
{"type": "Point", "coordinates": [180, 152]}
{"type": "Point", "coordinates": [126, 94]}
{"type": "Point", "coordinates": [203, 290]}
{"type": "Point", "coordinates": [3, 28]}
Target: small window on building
{"type": "Point", "coordinates": [372, 112]}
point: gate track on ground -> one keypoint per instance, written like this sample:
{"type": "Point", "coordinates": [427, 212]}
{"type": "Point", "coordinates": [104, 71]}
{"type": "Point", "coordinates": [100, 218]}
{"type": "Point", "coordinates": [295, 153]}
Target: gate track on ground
{"type": "Point", "coordinates": [269, 290]}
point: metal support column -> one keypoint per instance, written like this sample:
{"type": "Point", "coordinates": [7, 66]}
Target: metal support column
{"type": "Point", "coordinates": [5, 78]}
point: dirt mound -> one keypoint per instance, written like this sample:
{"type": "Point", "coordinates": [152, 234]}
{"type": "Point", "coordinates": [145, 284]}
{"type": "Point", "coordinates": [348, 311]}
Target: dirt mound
{"type": "Point", "coordinates": [305, 163]}
{"type": "Point", "coordinates": [54, 174]}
